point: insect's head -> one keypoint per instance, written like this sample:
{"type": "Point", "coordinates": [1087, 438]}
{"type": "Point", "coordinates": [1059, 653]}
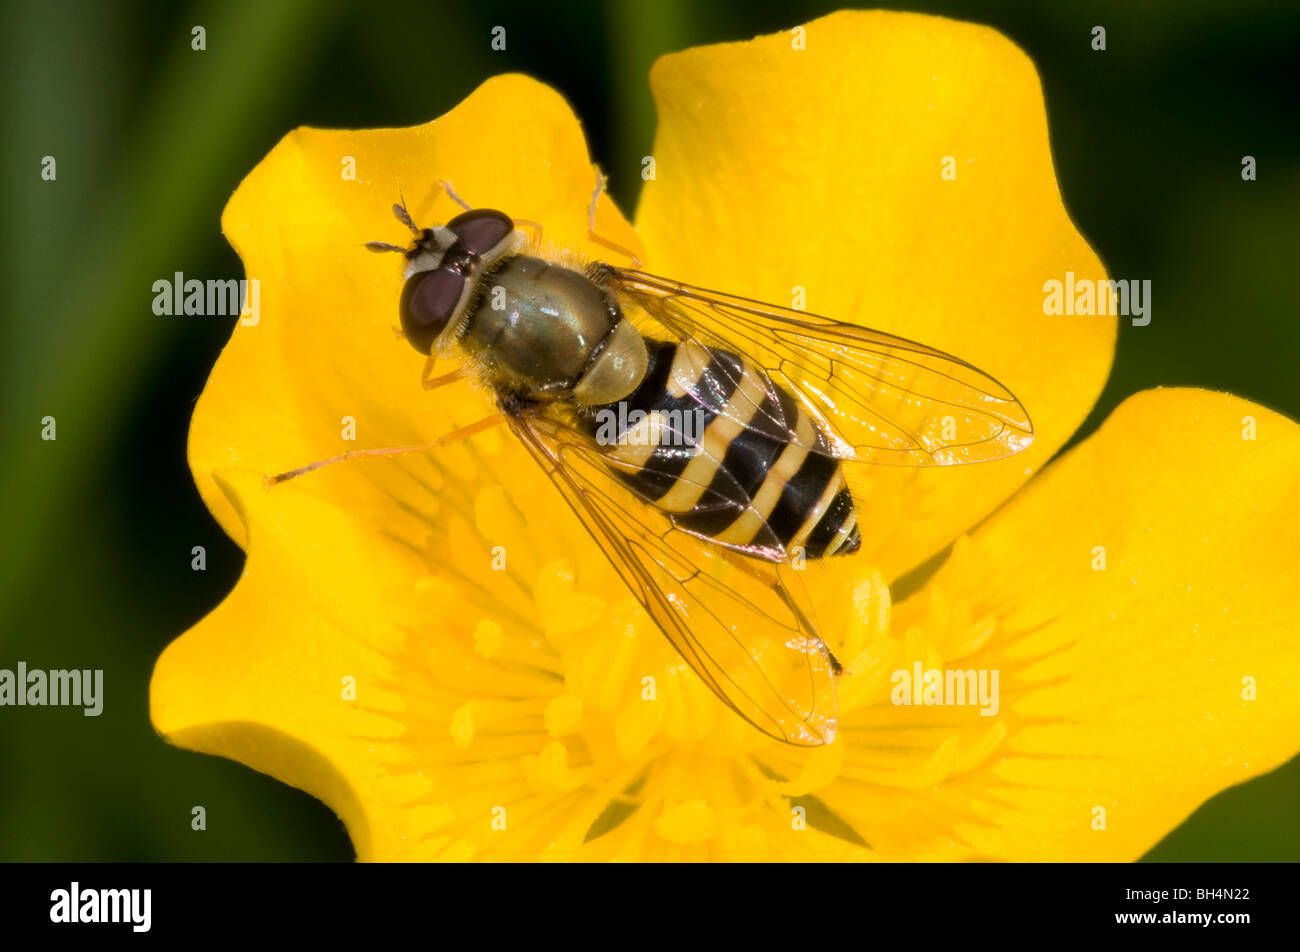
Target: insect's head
{"type": "Point", "coordinates": [442, 266]}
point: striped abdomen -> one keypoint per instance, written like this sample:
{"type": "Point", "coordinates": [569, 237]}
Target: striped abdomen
{"type": "Point", "coordinates": [714, 475]}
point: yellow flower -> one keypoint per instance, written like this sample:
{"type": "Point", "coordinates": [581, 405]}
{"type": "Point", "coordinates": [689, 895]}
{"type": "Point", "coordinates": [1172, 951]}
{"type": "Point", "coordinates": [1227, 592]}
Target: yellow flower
{"type": "Point", "coordinates": [1135, 600]}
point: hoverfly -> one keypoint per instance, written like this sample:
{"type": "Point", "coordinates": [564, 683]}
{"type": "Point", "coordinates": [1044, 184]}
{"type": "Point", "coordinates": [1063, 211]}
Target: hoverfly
{"type": "Point", "coordinates": [700, 437]}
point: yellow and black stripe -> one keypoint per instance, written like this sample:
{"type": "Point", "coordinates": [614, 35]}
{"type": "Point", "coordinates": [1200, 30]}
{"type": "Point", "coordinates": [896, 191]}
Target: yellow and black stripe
{"type": "Point", "coordinates": [734, 482]}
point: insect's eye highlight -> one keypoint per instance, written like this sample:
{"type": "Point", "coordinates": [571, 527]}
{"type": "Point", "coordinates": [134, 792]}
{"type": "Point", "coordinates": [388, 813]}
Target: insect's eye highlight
{"type": "Point", "coordinates": [481, 229]}
{"type": "Point", "coordinates": [429, 299]}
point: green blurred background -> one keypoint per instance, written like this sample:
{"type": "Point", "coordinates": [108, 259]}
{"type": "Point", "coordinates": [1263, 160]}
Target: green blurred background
{"type": "Point", "coordinates": [151, 138]}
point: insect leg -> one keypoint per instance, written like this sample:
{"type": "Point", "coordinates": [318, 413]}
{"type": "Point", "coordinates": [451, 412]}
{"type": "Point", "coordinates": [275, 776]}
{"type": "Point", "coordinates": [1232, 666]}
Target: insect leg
{"type": "Point", "coordinates": [454, 197]}
{"type": "Point", "coordinates": [591, 224]}
{"type": "Point", "coordinates": [430, 382]}
{"type": "Point", "coordinates": [447, 438]}
{"type": "Point", "coordinates": [536, 226]}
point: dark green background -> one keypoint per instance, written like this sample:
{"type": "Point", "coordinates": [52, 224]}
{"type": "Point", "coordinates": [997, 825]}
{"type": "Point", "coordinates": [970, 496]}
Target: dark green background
{"type": "Point", "coordinates": [151, 138]}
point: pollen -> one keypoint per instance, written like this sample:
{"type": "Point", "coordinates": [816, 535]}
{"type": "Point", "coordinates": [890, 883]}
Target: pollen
{"type": "Point", "coordinates": [548, 771]}
{"type": "Point", "coordinates": [637, 724]}
{"type": "Point", "coordinates": [461, 728]}
{"type": "Point", "coordinates": [563, 714]}
{"type": "Point", "coordinates": [563, 608]}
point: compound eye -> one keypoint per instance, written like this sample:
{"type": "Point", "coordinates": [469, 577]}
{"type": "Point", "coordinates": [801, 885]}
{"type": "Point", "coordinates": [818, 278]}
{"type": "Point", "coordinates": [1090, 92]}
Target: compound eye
{"type": "Point", "coordinates": [481, 229]}
{"type": "Point", "coordinates": [429, 300]}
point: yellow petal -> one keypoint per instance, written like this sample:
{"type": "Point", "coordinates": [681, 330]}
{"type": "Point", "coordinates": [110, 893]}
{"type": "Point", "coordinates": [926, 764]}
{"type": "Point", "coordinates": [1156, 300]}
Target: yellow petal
{"type": "Point", "coordinates": [821, 168]}
{"type": "Point", "coordinates": [1131, 689]}
{"type": "Point", "coordinates": [274, 679]}
{"type": "Point", "coordinates": [327, 670]}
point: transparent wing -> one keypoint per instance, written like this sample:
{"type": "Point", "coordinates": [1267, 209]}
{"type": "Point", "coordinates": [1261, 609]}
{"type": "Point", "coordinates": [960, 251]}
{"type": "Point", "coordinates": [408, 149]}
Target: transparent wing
{"type": "Point", "coordinates": [877, 398]}
{"type": "Point", "coordinates": [732, 618]}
